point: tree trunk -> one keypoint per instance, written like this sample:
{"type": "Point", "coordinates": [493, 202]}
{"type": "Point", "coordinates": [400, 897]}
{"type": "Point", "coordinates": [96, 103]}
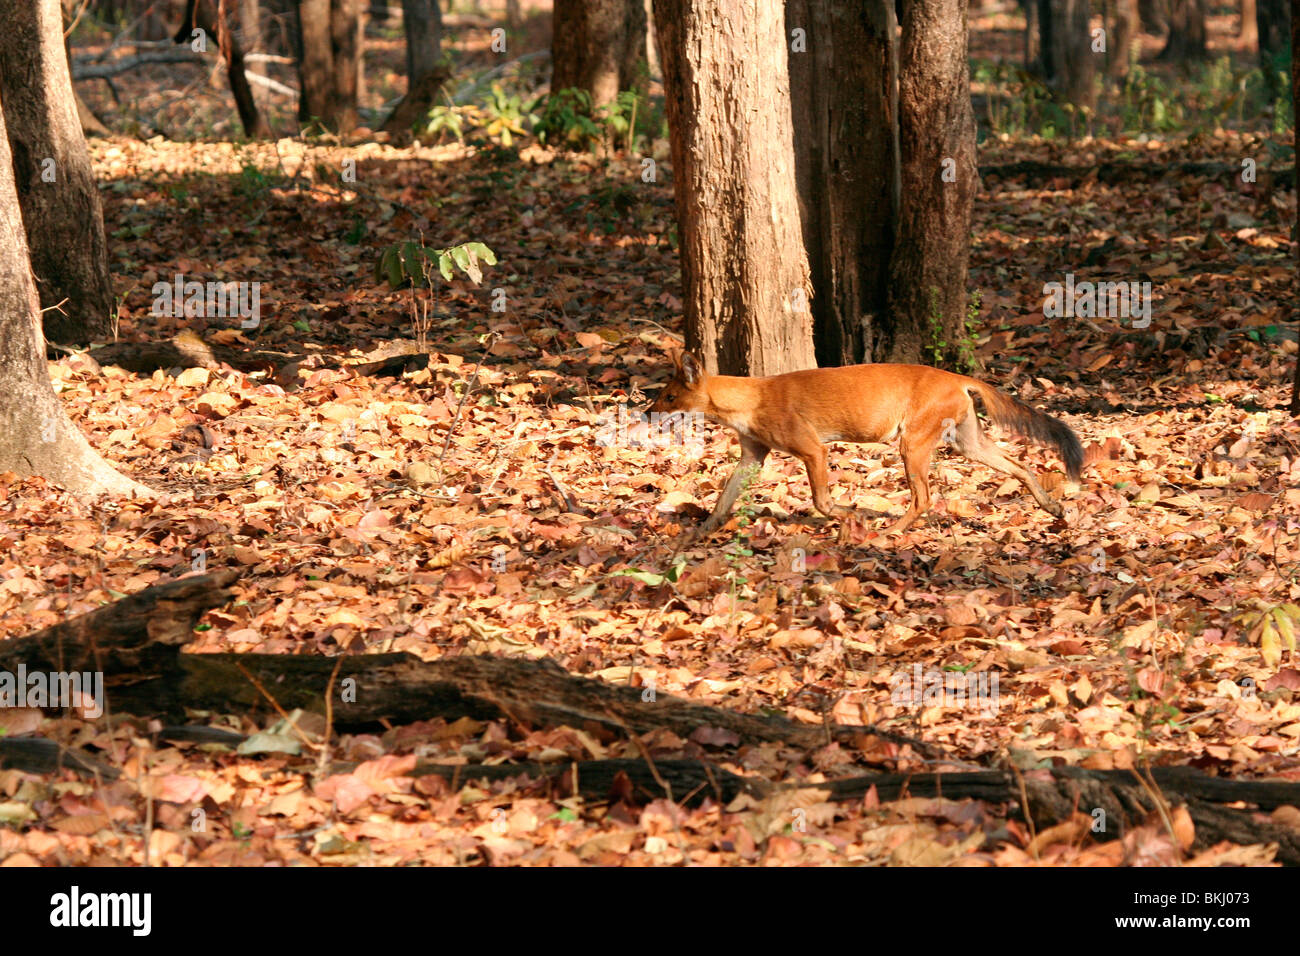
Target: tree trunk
{"type": "Point", "coordinates": [422, 20]}
{"type": "Point", "coordinates": [1248, 28]}
{"type": "Point", "coordinates": [1125, 31]}
{"type": "Point", "coordinates": [936, 126]}
{"type": "Point", "coordinates": [844, 87]}
{"type": "Point", "coordinates": [1154, 16]}
{"type": "Point", "coordinates": [51, 169]}
{"type": "Point", "coordinates": [315, 62]}
{"type": "Point", "coordinates": [1186, 32]}
{"type": "Point", "coordinates": [1066, 58]}
{"type": "Point", "coordinates": [250, 29]}
{"type": "Point", "coordinates": [36, 437]}
{"type": "Point", "coordinates": [345, 32]}
{"type": "Point", "coordinates": [744, 271]}
{"type": "Point", "coordinates": [1271, 29]}
{"type": "Point", "coordinates": [1033, 47]}
{"type": "Point", "coordinates": [596, 46]}
{"type": "Point", "coordinates": [329, 62]}
{"type": "Point", "coordinates": [1295, 98]}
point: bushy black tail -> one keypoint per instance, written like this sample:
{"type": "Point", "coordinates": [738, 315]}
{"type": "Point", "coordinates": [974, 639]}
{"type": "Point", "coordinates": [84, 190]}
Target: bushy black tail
{"type": "Point", "coordinates": [1016, 416]}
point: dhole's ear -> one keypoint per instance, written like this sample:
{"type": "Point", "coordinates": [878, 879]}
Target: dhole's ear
{"type": "Point", "coordinates": [692, 369]}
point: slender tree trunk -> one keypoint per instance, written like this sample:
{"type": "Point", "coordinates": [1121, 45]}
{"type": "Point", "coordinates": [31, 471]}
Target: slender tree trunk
{"type": "Point", "coordinates": [1248, 29]}
{"type": "Point", "coordinates": [936, 126]}
{"type": "Point", "coordinates": [744, 271]}
{"type": "Point", "coordinates": [1271, 27]}
{"type": "Point", "coordinates": [345, 31]}
{"type": "Point", "coordinates": [250, 30]}
{"type": "Point", "coordinates": [205, 15]}
{"type": "Point", "coordinates": [844, 89]}
{"type": "Point", "coordinates": [423, 22]}
{"type": "Point", "coordinates": [36, 437]}
{"type": "Point", "coordinates": [51, 168]}
{"type": "Point", "coordinates": [1295, 98]}
{"type": "Point", "coordinates": [1121, 39]}
{"type": "Point", "coordinates": [1186, 32]}
{"type": "Point", "coordinates": [596, 45]}
{"type": "Point", "coordinates": [1033, 47]}
{"type": "Point", "coordinates": [1154, 16]}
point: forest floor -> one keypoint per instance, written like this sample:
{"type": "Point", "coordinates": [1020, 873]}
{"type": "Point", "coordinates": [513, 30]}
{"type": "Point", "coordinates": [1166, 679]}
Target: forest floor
{"type": "Point", "coordinates": [1152, 626]}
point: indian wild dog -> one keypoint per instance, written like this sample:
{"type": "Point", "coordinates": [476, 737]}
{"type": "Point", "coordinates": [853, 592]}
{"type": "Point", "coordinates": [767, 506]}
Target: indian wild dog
{"type": "Point", "coordinates": [798, 411]}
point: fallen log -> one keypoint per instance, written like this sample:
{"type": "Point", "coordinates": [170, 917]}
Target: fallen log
{"type": "Point", "coordinates": [1053, 796]}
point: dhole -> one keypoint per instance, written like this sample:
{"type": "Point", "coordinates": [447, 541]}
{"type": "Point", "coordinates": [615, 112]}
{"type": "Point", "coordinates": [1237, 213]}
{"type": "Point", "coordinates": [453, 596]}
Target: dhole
{"type": "Point", "coordinates": [921, 406]}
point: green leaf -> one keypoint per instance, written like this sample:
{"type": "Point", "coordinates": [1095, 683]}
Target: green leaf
{"type": "Point", "coordinates": [645, 577]}
{"type": "Point", "coordinates": [444, 265]}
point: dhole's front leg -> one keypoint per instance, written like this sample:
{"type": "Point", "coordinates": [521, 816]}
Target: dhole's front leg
{"type": "Point", "coordinates": [752, 454]}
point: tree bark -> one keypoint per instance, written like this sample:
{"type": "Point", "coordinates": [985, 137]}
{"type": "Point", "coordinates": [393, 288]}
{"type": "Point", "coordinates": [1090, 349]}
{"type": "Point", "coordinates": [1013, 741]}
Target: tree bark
{"type": "Point", "coordinates": [1271, 29]}
{"type": "Point", "coordinates": [596, 46]}
{"type": "Point", "coordinates": [51, 170]}
{"type": "Point", "coordinates": [1186, 32]}
{"type": "Point", "coordinates": [1120, 51]}
{"type": "Point", "coordinates": [1066, 59]}
{"type": "Point", "coordinates": [36, 437]}
{"type": "Point", "coordinates": [1154, 16]}
{"type": "Point", "coordinates": [844, 88]}
{"type": "Point", "coordinates": [1295, 98]}
{"type": "Point", "coordinates": [744, 271]}
{"type": "Point", "coordinates": [928, 270]}
{"type": "Point", "coordinates": [422, 20]}
{"type": "Point", "coordinates": [329, 58]}
{"type": "Point", "coordinates": [345, 33]}
{"type": "Point", "coordinates": [315, 62]}
{"type": "Point", "coordinates": [250, 29]}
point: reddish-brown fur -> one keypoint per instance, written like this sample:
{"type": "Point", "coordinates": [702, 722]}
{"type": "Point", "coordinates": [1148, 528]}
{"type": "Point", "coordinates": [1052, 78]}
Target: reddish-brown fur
{"type": "Point", "coordinates": [799, 411]}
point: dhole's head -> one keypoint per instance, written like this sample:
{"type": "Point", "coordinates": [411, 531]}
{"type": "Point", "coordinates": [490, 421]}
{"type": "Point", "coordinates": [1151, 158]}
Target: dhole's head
{"type": "Point", "coordinates": [686, 391]}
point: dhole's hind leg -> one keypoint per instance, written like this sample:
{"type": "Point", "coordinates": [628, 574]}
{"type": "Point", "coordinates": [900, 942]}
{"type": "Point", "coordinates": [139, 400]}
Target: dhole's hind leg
{"type": "Point", "coordinates": [971, 441]}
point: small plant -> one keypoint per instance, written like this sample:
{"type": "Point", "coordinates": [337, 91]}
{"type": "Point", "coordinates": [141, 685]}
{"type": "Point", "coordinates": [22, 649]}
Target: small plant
{"type": "Point", "coordinates": [414, 265]}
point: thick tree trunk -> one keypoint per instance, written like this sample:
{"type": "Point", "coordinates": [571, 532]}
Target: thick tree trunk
{"type": "Point", "coordinates": [329, 62]}
{"type": "Point", "coordinates": [36, 437]}
{"type": "Point", "coordinates": [1066, 59]}
{"type": "Point", "coordinates": [1186, 31]}
{"type": "Point", "coordinates": [596, 46]}
{"type": "Point", "coordinates": [315, 62]}
{"type": "Point", "coordinates": [844, 89]}
{"type": "Point", "coordinates": [744, 271]}
{"type": "Point", "coordinates": [51, 167]}
{"type": "Point", "coordinates": [936, 125]}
